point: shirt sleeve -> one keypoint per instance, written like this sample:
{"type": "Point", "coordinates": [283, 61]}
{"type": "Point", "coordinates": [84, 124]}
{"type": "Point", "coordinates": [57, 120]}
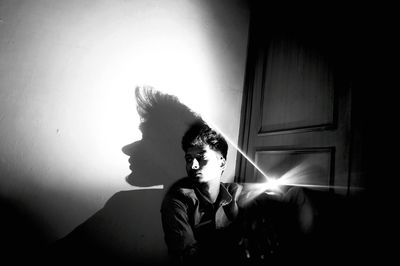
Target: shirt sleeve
{"type": "Point", "coordinates": [178, 233]}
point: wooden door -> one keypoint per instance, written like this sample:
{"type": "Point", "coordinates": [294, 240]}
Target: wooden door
{"type": "Point", "coordinates": [297, 103]}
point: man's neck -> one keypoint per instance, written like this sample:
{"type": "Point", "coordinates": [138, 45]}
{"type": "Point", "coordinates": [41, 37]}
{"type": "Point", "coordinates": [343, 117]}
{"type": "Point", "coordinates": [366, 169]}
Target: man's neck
{"type": "Point", "coordinates": [210, 189]}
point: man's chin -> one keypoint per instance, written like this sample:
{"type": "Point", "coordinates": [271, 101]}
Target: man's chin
{"type": "Point", "coordinates": [136, 181]}
{"type": "Point", "coordinates": [200, 179]}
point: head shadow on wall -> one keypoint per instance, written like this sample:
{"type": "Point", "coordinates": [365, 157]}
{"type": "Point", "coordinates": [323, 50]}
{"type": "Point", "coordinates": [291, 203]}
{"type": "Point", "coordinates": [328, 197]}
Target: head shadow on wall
{"type": "Point", "coordinates": [127, 230]}
{"type": "Point", "coordinates": [157, 159]}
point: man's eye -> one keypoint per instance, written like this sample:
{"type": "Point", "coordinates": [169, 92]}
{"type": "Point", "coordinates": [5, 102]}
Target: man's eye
{"type": "Point", "coordinates": [201, 157]}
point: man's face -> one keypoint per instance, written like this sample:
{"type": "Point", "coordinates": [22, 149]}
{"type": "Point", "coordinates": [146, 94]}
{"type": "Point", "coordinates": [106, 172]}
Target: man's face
{"type": "Point", "coordinates": [204, 164]}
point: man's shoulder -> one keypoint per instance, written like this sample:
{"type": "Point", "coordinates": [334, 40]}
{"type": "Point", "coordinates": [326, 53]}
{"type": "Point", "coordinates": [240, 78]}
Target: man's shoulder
{"type": "Point", "coordinates": [184, 187]}
{"type": "Point", "coordinates": [232, 187]}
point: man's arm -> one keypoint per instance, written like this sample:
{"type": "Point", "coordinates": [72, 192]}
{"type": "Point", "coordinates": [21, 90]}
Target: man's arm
{"type": "Point", "coordinates": [178, 233]}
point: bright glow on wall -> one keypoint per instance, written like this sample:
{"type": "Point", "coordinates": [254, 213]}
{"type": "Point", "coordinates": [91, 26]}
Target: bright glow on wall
{"type": "Point", "coordinates": [68, 70]}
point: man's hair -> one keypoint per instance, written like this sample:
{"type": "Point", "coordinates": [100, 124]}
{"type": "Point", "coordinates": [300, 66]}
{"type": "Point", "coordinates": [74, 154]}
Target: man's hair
{"type": "Point", "coordinates": [200, 134]}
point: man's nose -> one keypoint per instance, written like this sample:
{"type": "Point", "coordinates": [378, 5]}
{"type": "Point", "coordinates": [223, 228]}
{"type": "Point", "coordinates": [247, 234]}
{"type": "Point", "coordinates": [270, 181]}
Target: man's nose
{"type": "Point", "coordinates": [128, 149]}
{"type": "Point", "coordinates": [195, 164]}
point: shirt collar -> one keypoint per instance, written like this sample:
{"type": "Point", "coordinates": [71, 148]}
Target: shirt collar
{"type": "Point", "coordinates": [224, 197]}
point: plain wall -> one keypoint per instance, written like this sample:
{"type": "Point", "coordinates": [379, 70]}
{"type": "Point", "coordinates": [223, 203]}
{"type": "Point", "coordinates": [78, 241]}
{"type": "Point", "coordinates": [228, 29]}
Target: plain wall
{"type": "Point", "coordinates": [68, 70]}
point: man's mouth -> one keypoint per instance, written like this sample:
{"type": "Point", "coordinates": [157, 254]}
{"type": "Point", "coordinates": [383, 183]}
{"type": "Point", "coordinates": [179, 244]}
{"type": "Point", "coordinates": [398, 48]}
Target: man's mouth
{"type": "Point", "coordinates": [195, 174]}
{"type": "Point", "coordinates": [198, 174]}
{"type": "Point", "coordinates": [130, 161]}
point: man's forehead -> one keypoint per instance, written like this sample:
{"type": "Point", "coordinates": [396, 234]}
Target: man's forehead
{"type": "Point", "coordinates": [197, 149]}
{"type": "Point", "coordinates": [201, 149]}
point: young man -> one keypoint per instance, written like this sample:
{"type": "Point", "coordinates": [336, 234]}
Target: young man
{"type": "Point", "coordinates": [201, 218]}
{"type": "Point", "coordinates": [199, 211]}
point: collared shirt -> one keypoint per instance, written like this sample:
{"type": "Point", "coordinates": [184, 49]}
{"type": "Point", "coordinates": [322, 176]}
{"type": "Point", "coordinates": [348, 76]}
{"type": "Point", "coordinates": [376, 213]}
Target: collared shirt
{"type": "Point", "coordinates": [192, 224]}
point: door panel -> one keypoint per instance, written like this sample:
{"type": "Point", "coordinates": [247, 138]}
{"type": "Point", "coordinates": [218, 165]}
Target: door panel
{"type": "Point", "coordinates": [307, 167]}
{"type": "Point", "coordinates": [298, 91]}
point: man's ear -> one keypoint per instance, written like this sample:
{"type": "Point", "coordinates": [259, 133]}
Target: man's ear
{"type": "Point", "coordinates": [223, 163]}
